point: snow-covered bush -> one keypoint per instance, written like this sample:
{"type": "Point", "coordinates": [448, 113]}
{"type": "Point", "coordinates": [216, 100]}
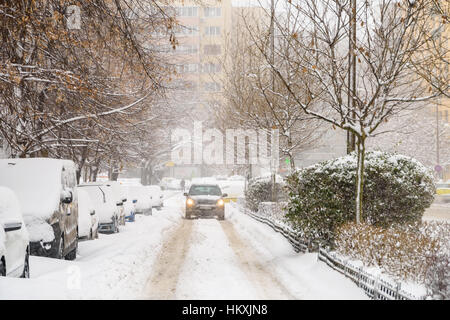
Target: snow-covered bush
{"type": "Point", "coordinates": [437, 278]}
{"type": "Point", "coordinates": [417, 252]}
{"type": "Point", "coordinates": [275, 211]}
{"type": "Point", "coordinates": [397, 189]}
{"type": "Point", "coordinates": [260, 191]}
{"type": "Point", "coordinates": [401, 252]}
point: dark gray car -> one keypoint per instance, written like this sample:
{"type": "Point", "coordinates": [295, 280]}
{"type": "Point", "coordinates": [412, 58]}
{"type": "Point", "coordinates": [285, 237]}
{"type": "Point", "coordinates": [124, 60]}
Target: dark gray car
{"type": "Point", "coordinates": [205, 200]}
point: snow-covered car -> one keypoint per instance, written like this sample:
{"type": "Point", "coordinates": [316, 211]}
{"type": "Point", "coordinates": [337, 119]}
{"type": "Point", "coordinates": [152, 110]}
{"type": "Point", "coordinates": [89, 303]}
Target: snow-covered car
{"type": "Point", "coordinates": [205, 200]}
{"type": "Point", "coordinates": [119, 197]}
{"type": "Point", "coordinates": [129, 205]}
{"type": "Point", "coordinates": [143, 204]}
{"type": "Point", "coordinates": [47, 193]}
{"type": "Point", "coordinates": [169, 183]}
{"type": "Point", "coordinates": [14, 240]}
{"type": "Point", "coordinates": [102, 198]}
{"type": "Point", "coordinates": [87, 217]}
{"type": "Point", "coordinates": [157, 198]}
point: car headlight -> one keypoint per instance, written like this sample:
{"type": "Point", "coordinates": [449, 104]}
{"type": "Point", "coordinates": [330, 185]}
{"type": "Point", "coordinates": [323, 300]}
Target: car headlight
{"type": "Point", "coordinates": [190, 202]}
{"type": "Point", "coordinates": [220, 202]}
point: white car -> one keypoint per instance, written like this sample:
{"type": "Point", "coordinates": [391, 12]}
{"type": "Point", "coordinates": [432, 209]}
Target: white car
{"type": "Point", "coordinates": [143, 204]}
{"type": "Point", "coordinates": [157, 198]}
{"type": "Point", "coordinates": [14, 239]}
{"type": "Point", "coordinates": [119, 197]}
{"type": "Point", "coordinates": [129, 206]}
{"type": "Point", "coordinates": [87, 217]}
{"type": "Point", "coordinates": [102, 198]}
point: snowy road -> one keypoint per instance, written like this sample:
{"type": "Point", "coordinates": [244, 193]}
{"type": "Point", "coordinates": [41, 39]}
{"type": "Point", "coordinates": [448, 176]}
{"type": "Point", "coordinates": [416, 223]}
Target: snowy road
{"type": "Point", "coordinates": [164, 256]}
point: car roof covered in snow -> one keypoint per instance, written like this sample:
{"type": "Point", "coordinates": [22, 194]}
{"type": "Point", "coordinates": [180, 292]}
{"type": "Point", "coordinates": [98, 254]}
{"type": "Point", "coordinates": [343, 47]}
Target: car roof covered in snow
{"type": "Point", "coordinates": [36, 182]}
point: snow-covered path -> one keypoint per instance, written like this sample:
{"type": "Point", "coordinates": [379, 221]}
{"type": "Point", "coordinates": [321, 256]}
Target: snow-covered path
{"type": "Point", "coordinates": [164, 256]}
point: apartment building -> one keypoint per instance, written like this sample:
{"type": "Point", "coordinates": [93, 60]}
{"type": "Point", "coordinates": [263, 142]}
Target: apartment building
{"type": "Point", "coordinates": [198, 55]}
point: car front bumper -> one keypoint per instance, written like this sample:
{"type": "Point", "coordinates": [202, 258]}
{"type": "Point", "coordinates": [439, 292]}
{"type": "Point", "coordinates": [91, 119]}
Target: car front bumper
{"type": "Point", "coordinates": [106, 227]}
{"type": "Point", "coordinates": [205, 211]}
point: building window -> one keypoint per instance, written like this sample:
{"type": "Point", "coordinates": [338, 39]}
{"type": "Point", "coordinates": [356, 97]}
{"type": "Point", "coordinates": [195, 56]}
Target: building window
{"type": "Point", "coordinates": [187, 68]}
{"type": "Point", "coordinates": [186, 11]}
{"type": "Point", "coordinates": [212, 31]}
{"type": "Point", "coordinates": [211, 68]}
{"type": "Point", "coordinates": [212, 12]}
{"type": "Point", "coordinates": [212, 86]}
{"type": "Point", "coordinates": [212, 49]}
{"type": "Point", "coordinates": [187, 48]}
{"type": "Point", "coordinates": [186, 30]}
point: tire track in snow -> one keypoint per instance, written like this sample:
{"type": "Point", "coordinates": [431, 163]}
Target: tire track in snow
{"type": "Point", "coordinates": [165, 272]}
{"type": "Point", "coordinates": [267, 285]}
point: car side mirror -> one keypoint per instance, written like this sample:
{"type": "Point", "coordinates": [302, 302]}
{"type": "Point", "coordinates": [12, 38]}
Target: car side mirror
{"type": "Point", "coordinates": [92, 212]}
{"type": "Point", "coordinates": [225, 195]}
{"type": "Point", "coordinates": [185, 194]}
{"type": "Point", "coordinates": [13, 226]}
{"type": "Point", "coordinates": [66, 196]}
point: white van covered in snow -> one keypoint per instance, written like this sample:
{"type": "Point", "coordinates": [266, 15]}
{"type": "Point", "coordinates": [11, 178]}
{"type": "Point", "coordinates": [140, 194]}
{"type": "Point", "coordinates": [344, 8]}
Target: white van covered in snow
{"type": "Point", "coordinates": [46, 189]}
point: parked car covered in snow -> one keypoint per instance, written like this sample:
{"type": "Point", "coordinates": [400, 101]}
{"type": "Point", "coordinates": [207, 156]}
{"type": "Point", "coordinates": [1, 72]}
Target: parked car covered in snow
{"type": "Point", "coordinates": [87, 217]}
{"type": "Point", "coordinates": [47, 193]}
{"type": "Point", "coordinates": [169, 183]}
{"type": "Point", "coordinates": [129, 206]}
{"type": "Point", "coordinates": [103, 200]}
{"type": "Point", "coordinates": [119, 197]}
{"type": "Point", "coordinates": [14, 240]}
{"type": "Point", "coordinates": [157, 198]}
{"type": "Point", "coordinates": [143, 204]}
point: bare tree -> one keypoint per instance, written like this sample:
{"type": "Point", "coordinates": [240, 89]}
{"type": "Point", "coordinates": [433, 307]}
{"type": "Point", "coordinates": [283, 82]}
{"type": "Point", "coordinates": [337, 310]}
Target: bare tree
{"type": "Point", "coordinates": [388, 34]}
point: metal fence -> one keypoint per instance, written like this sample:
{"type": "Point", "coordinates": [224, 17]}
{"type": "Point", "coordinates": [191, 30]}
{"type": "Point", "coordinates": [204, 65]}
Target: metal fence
{"type": "Point", "coordinates": [375, 286]}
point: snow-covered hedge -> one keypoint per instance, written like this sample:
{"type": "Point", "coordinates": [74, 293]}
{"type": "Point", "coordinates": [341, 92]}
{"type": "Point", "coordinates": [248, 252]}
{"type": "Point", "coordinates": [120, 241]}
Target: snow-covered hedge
{"type": "Point", "coordinates": [397, 189]}
{"type": "Point", "coordinates": [418, 253]}
{"type": "Point", "coordinates": [275, 211]}
{"type": "Point", "coordinates": [261, 191]}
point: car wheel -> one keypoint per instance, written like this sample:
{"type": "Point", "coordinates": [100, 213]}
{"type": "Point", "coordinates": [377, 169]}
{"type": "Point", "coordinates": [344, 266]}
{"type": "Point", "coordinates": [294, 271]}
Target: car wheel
{"type": "Point", "coordinates": [116, 226]}
{"type": "Point", "coordinates": [61, 248]}
{"type": "Point", "coordinates": [2, 267]}
{"type": "Point", "coordinates": [72, 255]}
{"type": "Point", "coordinates": [91, 235]}
{"type": "Point", "coordinates": [26, 266]}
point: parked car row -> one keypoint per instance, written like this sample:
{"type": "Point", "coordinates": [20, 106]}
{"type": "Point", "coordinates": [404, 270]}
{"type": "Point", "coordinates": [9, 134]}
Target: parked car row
{"type": "Point", "coordinates": [44, 212]}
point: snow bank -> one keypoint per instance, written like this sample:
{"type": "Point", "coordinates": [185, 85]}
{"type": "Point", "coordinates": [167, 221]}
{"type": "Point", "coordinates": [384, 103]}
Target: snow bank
{"type": "Point", "coordinates": [302, 274]}
{"type": "Point", "coordinates": [115, 266]}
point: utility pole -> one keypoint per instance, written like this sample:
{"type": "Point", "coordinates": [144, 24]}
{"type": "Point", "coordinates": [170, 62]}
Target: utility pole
{"type": "Point", "coordinates": [351, 138]}
{"type": "Point", "coordinates": [438, 160]}
{"type": "Point", "coordinates": [272, 61]}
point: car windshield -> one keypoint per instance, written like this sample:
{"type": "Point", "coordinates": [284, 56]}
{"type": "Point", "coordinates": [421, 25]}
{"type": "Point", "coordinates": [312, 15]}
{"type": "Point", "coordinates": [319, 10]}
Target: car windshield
{"type": "Point", "coordinates": [198, 190]}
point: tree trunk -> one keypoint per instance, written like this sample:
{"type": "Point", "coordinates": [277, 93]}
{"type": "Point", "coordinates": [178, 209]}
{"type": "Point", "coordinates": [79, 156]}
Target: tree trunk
{"type": "Point", "coordinates": [360, 178]}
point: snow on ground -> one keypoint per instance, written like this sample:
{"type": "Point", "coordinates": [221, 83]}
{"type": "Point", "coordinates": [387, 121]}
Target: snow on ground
{"type": "Point", "coordinates": [114, 266]}
{"type": "Point", "coordinates": [302, 274]}
{"type": "Point", "coordinates": [211, 269]}
{"type": "Point", "coordinates": [164, 256]}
